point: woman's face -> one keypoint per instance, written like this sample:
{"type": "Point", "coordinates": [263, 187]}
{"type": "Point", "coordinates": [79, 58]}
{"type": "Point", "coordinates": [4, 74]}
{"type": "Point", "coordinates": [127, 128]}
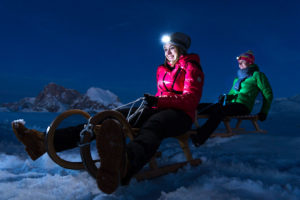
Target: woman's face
{"type": "Point", "coordinates": [171, 52]}
{"type": "Point", "coordinates": [243, 64]}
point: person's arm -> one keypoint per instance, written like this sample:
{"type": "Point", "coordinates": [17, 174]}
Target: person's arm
{"type": "Point", "coordinates": [192, 91]}
{"type": "Point", "coordinates": [159, 72]}
{"type": "Point", "coordinates": [266, 90]}
{"type": "Point", "coordinates": [232, 90]}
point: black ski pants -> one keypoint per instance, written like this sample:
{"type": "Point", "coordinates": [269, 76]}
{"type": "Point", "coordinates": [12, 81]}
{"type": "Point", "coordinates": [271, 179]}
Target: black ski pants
{"type": "Point", "coordinates": [216, 113]}
{"type": "Point", "coordinates": [155, 125]}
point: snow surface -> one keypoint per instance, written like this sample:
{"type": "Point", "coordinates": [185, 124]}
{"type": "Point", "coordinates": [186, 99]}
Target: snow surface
{"type": "Point", "coordinates": [251, 166]}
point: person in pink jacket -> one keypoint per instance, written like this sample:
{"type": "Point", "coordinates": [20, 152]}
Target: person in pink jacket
{"type": "Point", "coordinates": [168, 113]}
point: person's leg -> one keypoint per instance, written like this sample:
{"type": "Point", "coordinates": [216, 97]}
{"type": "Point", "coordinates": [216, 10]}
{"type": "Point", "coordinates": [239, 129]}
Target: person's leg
{"type": "Point", "coordinates": [166, 123]}
{"type": "Point", "coordinates": [67, 138]}
{"type": "Point", "coordinates": [33, 140]}
{"type": "Point", "coordinates": [64, 138]}
{"type": "Point", "coordinates": [232, 109]}
{"type": "Point", "coordinates": [205, 108]}
{"type": "Point", "coordinates": [216, 115]}
{"type": "Point", "coordinates": [110, 142]}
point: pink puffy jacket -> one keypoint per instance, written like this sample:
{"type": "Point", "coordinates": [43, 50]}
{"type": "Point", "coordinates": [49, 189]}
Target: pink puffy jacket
{"type": "Point", "coordinates": [180, 87]}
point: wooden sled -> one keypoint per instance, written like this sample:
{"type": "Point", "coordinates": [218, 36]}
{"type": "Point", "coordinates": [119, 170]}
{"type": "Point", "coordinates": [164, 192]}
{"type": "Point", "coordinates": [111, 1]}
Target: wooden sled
{"type": "Point", "coordinates": [87, 135]}
{"type": "Point", "coordinates": [155, 170]}
{"type": "Point", "coordinates": [237, 130]}
{"type": "Point", "coordinates": [94, 123]}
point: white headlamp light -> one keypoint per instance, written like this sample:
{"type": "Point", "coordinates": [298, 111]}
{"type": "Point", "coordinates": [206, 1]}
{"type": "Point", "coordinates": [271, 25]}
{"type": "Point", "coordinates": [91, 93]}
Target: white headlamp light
{"type": "Point", "coordinates": [165, 39]}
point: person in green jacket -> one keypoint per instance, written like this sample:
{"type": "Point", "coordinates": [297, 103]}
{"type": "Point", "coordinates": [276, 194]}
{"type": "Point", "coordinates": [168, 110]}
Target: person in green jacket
{"type": "Point", "coordinates": [240, 99]}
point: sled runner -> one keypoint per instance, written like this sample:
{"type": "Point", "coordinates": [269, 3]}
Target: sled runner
{"type": "Point", "coordinates": [93, 125]}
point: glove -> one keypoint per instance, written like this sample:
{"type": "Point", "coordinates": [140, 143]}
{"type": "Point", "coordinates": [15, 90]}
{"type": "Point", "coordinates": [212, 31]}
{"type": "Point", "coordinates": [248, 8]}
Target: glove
{"type": "Point", "coordinates": [151, 100]}
{"type": "Point", "coordinates": [262, 116]}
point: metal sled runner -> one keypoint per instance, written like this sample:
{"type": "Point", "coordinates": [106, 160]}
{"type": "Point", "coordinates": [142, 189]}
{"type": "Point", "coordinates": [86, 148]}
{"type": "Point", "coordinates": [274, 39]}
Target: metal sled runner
{"type": "Point", "coordinates": [87, 135]}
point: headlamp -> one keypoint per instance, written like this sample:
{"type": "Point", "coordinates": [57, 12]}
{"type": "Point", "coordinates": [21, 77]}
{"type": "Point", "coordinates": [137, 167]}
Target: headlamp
{"type": "Point", "coordinates": [165, 39]}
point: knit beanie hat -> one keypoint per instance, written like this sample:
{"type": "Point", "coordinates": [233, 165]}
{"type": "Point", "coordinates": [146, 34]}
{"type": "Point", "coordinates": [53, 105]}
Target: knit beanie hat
{"type": "Point", "coordinates": [248, 57]}
{"type": "Point", "coordinates": [181, 40]}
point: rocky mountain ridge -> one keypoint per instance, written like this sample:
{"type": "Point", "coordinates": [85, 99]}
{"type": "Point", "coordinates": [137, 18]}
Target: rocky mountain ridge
{"type": "Point", "coordinates": [56, 98]}
{"type": "Point", "coordinates": [286, 104]}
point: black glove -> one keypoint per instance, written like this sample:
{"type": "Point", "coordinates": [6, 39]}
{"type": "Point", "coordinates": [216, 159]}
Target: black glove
{"type": "Point", "coordinates": [262, 116]}
{"type": "Point", "coordinates": [151, 100]}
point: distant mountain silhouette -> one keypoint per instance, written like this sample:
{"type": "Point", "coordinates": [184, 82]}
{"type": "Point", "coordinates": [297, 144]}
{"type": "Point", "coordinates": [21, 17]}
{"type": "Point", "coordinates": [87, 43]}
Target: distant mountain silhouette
{"type": "Point", "coordinates": [56, 98]}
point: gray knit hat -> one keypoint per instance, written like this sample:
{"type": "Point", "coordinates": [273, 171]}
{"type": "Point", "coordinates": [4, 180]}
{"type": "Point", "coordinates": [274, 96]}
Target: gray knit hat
{"type": "Point", "coordinates": [181, 40]}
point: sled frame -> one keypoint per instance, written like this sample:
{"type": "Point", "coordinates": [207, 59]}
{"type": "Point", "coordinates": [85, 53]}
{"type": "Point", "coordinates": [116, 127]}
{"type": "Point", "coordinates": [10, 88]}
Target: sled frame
{"type": "Point", "coordinates": [155, 170]}
{"type": "Point", "coordinates": [237, 129]}
{"type": "Point", "coordinates": [87, 137]}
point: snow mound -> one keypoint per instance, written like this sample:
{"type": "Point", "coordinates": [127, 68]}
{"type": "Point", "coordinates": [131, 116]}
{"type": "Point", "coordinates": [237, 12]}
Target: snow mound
{"type": "Point", "coordinates": [104, 97]}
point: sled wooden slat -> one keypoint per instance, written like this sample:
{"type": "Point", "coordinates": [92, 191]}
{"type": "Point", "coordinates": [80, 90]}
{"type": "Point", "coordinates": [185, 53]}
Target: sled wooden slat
{"type": "Point", "coordinates": [236, 130]}
{"type": "Point", "coordinates": [154, 173]}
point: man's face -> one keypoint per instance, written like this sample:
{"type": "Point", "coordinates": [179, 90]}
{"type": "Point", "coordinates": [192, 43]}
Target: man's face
{"type": "Point", "coordinates": [243, 64]}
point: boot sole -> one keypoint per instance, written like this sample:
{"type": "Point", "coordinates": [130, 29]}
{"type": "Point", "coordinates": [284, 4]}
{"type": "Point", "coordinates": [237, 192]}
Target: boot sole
{"type": "Point", "coordinates": [110, 145]}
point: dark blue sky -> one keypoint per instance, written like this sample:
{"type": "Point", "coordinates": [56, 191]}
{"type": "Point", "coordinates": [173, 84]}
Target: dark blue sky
{"type": "Point", "coordinates": [116, 45]}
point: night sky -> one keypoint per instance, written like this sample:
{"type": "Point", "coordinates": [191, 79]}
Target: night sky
{"type": "Point", "coordinates": [116, 45]}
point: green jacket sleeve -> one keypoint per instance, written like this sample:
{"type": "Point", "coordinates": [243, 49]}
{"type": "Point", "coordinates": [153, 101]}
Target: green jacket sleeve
{"type": "Point", "coordinates": [266, 90]}
{"type": "Point", "coordinates": [232, 91]}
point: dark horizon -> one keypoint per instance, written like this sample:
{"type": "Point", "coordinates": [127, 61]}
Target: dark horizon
{"type": "Point", "coordinates": [87, 44]}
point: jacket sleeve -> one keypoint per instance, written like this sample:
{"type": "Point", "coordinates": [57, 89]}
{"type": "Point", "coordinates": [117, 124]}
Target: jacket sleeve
{"type": "Point", "coordinates": [266, 90]}
{"type": "Point", "coordinates": [192, 91]}
{"type": "Point", "coordinates": [160, 70]}
{"type": "Point", "coordinates": [232, 90]}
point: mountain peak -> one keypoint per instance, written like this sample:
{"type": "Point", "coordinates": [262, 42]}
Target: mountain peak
{"type": "Point", "coordinates": [56, 98]}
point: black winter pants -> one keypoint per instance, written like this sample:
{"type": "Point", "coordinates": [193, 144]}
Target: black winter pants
{"type": "Point", "coordinates": [216, 113]}
{"type": "Point", "coordinates": [155, 125]}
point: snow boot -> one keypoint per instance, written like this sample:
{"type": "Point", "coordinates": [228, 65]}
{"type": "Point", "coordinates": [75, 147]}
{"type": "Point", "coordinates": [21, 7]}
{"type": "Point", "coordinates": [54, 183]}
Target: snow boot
{"type": "Point", "coordinates": [33, 140]}
{"type": "Point", "coordinates": [110, 143]}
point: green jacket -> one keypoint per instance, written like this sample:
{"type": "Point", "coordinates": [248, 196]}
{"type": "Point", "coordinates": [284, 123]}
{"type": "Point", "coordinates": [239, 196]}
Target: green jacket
{"type": "Point", "coordinates": [249, 90]}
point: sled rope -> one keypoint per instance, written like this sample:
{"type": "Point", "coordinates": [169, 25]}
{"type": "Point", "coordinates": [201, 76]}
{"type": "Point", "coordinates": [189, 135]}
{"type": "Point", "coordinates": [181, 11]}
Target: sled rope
{"type": "Point", "coordinates": [140, 108]}
{"type": "Point", "coordinates": [87, 128]}
{"type": "Point", "coordinates": [132, 102]}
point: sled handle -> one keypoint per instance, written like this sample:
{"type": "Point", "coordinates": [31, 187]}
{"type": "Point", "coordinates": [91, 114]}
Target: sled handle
{"type": "Point", "coordinates": [50, 139]}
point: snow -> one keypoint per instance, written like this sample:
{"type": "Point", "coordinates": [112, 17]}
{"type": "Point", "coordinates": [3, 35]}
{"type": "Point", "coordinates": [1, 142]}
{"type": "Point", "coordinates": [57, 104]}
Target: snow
{"type": "Point", "coordinates": [104, 97]}
{"type": "Point", "coordinates": [251, 166]}
{"type": "Point", "coordinates": [22, 121]}
{"type": "Point", "coordinates": [286, 104]}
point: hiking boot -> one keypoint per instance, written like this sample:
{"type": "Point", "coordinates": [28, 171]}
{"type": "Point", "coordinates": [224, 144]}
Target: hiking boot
{"type": "Point", "coordinates": [33, 140]}
{"type": "Point", "coordinates": [110, 144]}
